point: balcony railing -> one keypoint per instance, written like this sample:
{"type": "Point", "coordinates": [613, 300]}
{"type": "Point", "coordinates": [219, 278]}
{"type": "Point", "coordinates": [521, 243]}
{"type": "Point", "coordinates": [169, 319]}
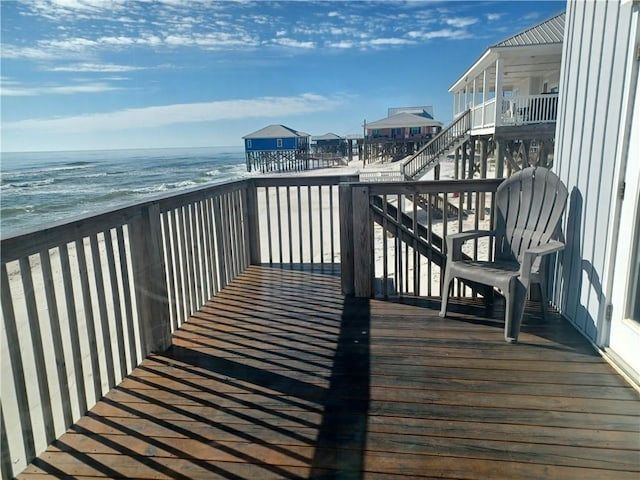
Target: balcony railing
{"type": "Point", "coordinates": [516, 111]}
{"type": "Point", "coordinates": [84, 302]}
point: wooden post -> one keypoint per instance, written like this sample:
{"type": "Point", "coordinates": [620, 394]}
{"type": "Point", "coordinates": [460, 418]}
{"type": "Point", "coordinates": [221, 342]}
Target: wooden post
{"type": "Point", "coordinates": [483, 173]}
{"type": "Point", "coordinates": [150, 280]}
{"type": "Point", "coordinates": [500, 159]}
{"type": "Point", "coordinates": [363, 286]}
{"type": "Point", "coordinates": [498, 89]}
{"type": "Point", "coordinates": [471, 166]}
{"type": "Point", "coordinates": [345, 205]}
{"type": "Point", "coordinates": [253, 225]}
{"type": "Point", "coordinates": [456, 161]}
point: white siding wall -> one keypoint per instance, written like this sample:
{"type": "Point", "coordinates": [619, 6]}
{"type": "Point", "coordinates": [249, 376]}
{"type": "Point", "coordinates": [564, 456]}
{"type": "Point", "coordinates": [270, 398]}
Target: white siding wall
{"type": "Point", "coordinates": [594, 93]}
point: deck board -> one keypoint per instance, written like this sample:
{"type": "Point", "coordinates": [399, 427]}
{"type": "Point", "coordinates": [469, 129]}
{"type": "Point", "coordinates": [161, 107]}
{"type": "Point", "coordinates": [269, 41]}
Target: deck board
{"type": "Point", "coordinates": [279, 376]}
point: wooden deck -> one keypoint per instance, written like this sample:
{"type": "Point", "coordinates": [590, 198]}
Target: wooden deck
{"type": "Point", "coordinates": [281, 377]}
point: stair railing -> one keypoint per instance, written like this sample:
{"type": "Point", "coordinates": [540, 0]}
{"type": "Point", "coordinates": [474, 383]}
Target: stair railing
{"type": "Point", "coordinates": [428, 154]}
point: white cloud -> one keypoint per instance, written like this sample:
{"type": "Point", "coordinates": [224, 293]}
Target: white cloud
{"type": "Point", "coordinates": [493, 16]}
{"type": "Point", "coordinates": [18, 91]}
{"type": "Point", "coordinates": [289, 42]}
{"type": "Point", "coordinates": [96, 67]}
{"type": "Point", "coordinates": [159, 116]}
{"type": "Point", "coordinates": [443, 33]}
{"type": "Point", "coordinates": [461, 22]}
{"type": "Point", "coordinates": [390, 41]}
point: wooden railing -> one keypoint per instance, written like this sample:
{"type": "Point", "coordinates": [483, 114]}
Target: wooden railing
{"type": "Point", "coordinates": [85, 301]}
{"type": "Point", "coordinates": [527, 109]}
{"type": "Point", "coordinates": [394, 246]}
{"type": "Point", "coordinates": [428, 155]}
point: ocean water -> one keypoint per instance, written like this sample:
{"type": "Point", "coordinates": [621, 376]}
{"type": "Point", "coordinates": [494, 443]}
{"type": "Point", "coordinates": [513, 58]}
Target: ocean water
{"type": "Point", "coordinates": [40, 188]}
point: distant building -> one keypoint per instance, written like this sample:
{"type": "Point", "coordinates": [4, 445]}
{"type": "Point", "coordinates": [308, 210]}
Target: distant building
{"type": "Point", "coordinates": [404, 131]}
{"type": "Point", "coordinates": [276, 148]}
{"type": "Point", "coordinates": [329, 143]}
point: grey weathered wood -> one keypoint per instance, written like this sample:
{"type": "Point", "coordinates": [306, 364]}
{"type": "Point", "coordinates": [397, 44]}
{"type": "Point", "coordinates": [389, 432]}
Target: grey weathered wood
{"type": "Point", "coordinates": [178, 242]}
{"type": "Point", "coordinates": [331, 222]}
{"type": "Point", "coordinates": [70, 304]}
{"type": "Point", "coordinates": [310, 218]}
{"type": "Point", "coordinates": [89, 318]}
{"type": "Point", "coordinates": [17, 367]}
{"type": "Point", "coordinates": [363, 274]}
{"type": "Point", "coordinates": [220, 242]}
{"type": "Point", "coordinates": [125, 255]}
{"type": "Point", "coordinates": [168, 258]}
{"type": "Point", "coordinates": [385, 251]}
{"type": "Point", "coordinates": [290, 239]}
{"type": "Point", "coordinates": [253, 224]}
{"type": "Point", "coordinates": [345, 206]}
{"type": "Point", "coordinates": [269, 232]}
{"type": "Point", "coordinates": [300, 242]}
{"type": "Point", "coordinates": [150, 281]}
{"type": "Point", "coordinates": [279, 217]}
{"type": "Point", "coordinates": [117, 311]}
{"type": "Point", "coordinates": [320, 224]}
{"type": "Point", "coordinates": [212, 246]}
{"type": "Point", "coordinates": [102, 310]}
{"type": "Point", "coordinates": [198, 253]}
{"type": "Point", "coordinates": [188, 248]}
{"type": "Point", "coordinates": [38, 350]}
{"type": "Point", "coordinates": [56, 337]}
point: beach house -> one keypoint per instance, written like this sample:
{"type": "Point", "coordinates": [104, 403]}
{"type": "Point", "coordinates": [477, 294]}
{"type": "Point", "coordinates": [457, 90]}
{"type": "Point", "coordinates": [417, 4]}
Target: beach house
{"type": "Point", "coordinates": [511, 91]}
{"type": "Point", "coordinates": [276, 148]}
{"type": "Point", "coordinates": [505, 103]}
{"type": "Point", "coordinates": [329, 144]}
{"type": "Point", "coordinates": [404, 131]}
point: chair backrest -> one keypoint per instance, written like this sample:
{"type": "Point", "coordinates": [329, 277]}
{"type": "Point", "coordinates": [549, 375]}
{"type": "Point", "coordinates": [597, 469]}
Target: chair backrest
{"type": "Point", "coordinates": [530, 204]}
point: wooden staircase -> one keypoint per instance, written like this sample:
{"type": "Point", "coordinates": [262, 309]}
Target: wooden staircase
{"type": "Point", "coordinates": [452, 137]}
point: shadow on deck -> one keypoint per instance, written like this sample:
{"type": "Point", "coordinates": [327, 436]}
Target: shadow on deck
{"type": "Point", "coordinates": [280, 376]}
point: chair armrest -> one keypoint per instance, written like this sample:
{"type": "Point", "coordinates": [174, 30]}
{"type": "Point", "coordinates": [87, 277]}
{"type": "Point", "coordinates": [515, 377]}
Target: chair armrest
{"type": "Point", "coordinates": [455, 241]}
{"type": "Point", "coordinates": [529, 256]}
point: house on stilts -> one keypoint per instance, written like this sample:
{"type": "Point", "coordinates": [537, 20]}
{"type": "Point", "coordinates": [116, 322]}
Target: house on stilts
{"type": "Point", "coordinates": [506, 103]}
{"type": "Point", "coordinates": [403, 132]}
{"type": "Point", "coordinates": [276, 148]}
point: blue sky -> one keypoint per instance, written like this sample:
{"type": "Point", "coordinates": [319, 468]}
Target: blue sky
{"type": "Point", "coordinates": [98, 74]}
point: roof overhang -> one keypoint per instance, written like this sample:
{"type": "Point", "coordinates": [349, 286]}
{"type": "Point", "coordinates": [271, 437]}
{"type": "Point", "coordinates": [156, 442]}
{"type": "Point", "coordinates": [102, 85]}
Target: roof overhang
{"type": "Point", "coordinates": [519, 62]}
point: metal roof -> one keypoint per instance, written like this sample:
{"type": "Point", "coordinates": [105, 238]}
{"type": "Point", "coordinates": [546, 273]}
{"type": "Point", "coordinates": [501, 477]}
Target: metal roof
{"type": "Point", "coordinates": [327, 136]}
{"type": "Point", "coordinates": [276, 131]}
{"type": "Point", "coordinates": [404, 120]}
{"type": "Point", "coordinates": [548, 32]}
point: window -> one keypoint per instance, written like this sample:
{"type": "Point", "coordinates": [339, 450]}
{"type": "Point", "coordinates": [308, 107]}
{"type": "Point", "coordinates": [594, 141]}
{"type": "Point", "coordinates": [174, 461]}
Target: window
{"type": "Point", "coordinates": [248, 143]}
{"type": "Point", "coordinates": [279, 143]}
{"type": "Point", "coordinates": [414, 131]}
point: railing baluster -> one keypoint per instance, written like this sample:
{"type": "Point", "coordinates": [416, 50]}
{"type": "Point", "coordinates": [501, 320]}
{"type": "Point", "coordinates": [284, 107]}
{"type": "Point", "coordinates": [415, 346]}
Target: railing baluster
{"type": "Point", "coordinates": [76, 353]}
{"type": "Point", "coordinates": [300, 242]}
{"type": "Point", "coordinates": [115, 293]}
{"type": "Point", "coordinates": [89, 319]}
{"type": "Point", "coordinates": [321, 228]}
{"type": "Point", "coordinates": [56, 337]}
{"type": "Point", "coordinates": [267, 194]}
{"type": "Point", "coordinates": [289, 224]}
{"type": "Point", "coordinates": [310, 217]}
{"type": "Point", "coordinates": [17, 366]}
{"type": "Point", "coordinates": [279, 217]}
{"type": "Point", "coordinates": [168, 258]}
{"type": "Point", "coordinates": [102, 310]}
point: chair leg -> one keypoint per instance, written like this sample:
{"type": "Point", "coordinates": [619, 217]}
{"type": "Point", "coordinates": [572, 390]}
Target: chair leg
{"type": "Point", "coordinates": [445, 292]}
{"type": "Point", "coordinates": [543, 300]}
{"type": "Point", "coordinates": [514, 309]}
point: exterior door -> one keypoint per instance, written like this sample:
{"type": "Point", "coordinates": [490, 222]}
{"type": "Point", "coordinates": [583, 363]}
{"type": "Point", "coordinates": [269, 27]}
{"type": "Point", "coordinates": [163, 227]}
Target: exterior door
{"type": "Point", "coordinates": [624, 337]}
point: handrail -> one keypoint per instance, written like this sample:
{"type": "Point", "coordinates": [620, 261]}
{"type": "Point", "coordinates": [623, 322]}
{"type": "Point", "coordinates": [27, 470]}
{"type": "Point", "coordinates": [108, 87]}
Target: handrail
{"type": "Point", "coordinates": [397, 245]}
{"type": "Point", "coordinates": [427, 155]}
{"type": "Point", "coordinates": [84, 301]}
